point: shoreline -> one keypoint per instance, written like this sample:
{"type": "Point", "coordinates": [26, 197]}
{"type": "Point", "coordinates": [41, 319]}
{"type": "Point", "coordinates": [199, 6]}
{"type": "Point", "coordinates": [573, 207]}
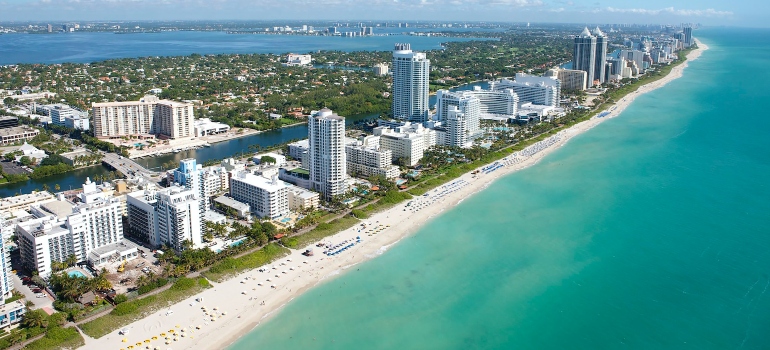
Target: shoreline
{"type": "Point", "coordinates": [252, 297]}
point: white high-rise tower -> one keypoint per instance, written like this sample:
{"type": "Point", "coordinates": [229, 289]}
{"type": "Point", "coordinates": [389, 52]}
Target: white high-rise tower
{"type": "Point", "coordinates": [411, 73]}
{"type": "Point", "coordinates": [326, 135]}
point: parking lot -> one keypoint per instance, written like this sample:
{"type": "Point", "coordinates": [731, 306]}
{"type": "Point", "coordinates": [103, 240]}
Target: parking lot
{"type": "Point", "coordinates": [45, 301]}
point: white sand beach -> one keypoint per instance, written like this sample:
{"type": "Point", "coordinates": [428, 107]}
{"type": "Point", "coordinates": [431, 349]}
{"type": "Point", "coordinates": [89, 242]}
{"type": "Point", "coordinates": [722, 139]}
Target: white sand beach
{"type": "Point", "coordinates": [236, 306]}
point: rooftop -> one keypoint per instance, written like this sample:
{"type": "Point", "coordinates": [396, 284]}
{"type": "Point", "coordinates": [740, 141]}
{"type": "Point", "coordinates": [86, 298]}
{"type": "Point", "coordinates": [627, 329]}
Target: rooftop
{"type": "Point", "coordinates": [232, 203]}
{"type": "Point", "coordinates": [120, 246]}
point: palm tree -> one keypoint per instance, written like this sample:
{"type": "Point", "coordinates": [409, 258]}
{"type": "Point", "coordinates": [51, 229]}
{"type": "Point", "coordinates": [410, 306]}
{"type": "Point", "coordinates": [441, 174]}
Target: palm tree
{"type": "Point", "coordinates": [57, 187]}
{"type": "Point", "coordinates": [35, 318]}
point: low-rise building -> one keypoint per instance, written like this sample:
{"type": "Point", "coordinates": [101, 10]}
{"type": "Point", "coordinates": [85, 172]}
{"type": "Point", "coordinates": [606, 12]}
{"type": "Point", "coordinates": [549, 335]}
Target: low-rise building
{"type": "Point", "coordinates": [122, 250]}
{"type": "Point", "coordinates": [204, 126]}
{"type": "Point", "coordinates": [297, 176]}
{"type": "Point", "coordinates": [241, 209]}
{"type": "Point", "coordinates": [31, 152]}
{"type": "Point", "coordinates": [11, 313]}
{"type": "Point", "coordinates": [298, 60]}
{"type": "Point", "coordinates": [300, 198]}
{"type": "Point", "coordinates": [17, 134]}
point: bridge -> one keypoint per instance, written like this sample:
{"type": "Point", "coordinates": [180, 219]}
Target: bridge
{"type": "Point", "coordinates": [126, 166]}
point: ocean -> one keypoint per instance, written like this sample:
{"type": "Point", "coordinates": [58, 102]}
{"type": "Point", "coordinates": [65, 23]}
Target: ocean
{"type": "Point", "coordinates": [650, 231]}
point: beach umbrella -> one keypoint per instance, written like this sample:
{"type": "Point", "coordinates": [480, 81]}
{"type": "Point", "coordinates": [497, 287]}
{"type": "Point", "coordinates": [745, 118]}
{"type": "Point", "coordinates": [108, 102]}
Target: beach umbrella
{"type": "Point", "coordinates": [125, 340]}
{"type": "Point", "coordinates": [139, 344]}
{"type": "Point", "coordinates": [154, 338]}
{"type": "Point", "coordinates": [216, 307]}
{"type": "Point", "coordinates": [130, 346]}
{"type": "Point", "coordinates": [183, 329]}
{"type": "Point", "coordinates": [224, 313]}
{"type": "Point", "coordinates": [213, 319]}
{"type": "Point", "coordinates": [198, 327]}
{"type": "Point", "coordinates": [177, 326]}
{"type": "Point", "coordinates": [168, 342]}
{"type": "Point", "coordinates": [182, 335]}
{"type": "Point", "coordinates": [147, 341]}
{"type": "Point", "coordinates": [171, 331]}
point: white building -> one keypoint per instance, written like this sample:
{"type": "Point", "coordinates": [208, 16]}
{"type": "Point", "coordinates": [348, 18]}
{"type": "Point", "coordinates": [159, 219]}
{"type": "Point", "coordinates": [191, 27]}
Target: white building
{"type": "Point", "coordinates": [458, 129]}
{"type": "Point", "coordinates": [60, 112]}
{"type": "Point", "coordinates": [63, 228]}
{"type": "Point", "coordinates": [6, 284]}
{"type": "Point", "coordinates": [407, 143]}
{"type": "Point", "coordinates": [380, 69]}
{"type": "Point", "coordinates": [411, 74]}
{"type": "Point", "coordinates": [31, 152]}
{"type": "Point", "coordinates": [470, 107]}
{"type": "Point", "coordinates": [77, 122]}
{"type": "Point", "coordinates": [169, 216]}
{"type": "Point", "coordinates": [148, 116]}
{"type": "Point", "coordinates": [326, 153]}
{"type": "Point", "coordinates": [204, 126]}
{"type": "Point", "coordinates": [280, 159]}
{"type": "Point", "coordinates": [367, 158]}
{"type": "Point", "coordinates": [298, 60]}
{"type": "Point", "coordinates": [267, 198]}
{"type": "Point", "coordinates": [299, 150]}
{"type": "Point", "coordinates": [538, 90]}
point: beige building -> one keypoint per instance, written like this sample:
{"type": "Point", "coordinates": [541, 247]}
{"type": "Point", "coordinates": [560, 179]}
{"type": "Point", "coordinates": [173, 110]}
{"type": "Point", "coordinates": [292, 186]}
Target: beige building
{"type": "Point", "coordinates": [148, 116]}
{"type": "Point", "coordinates": [570, 79]}
{"type": "Point", "coordinates": [366, 159]}
{"type": "Point", "coordinates": [300, 198]}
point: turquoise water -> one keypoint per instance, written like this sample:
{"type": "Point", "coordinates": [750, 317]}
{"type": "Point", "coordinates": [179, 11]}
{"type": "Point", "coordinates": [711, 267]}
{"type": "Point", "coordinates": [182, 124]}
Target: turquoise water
{"type": "Point", "coordinates": [76, 273]}
{"type": "Point", "coordinates": [651, 231]}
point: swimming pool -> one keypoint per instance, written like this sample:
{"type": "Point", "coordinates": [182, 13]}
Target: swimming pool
{"type": "Point", "coordinates": [285, 220]}
{"type": "Point", "coordinates": [76, 273]}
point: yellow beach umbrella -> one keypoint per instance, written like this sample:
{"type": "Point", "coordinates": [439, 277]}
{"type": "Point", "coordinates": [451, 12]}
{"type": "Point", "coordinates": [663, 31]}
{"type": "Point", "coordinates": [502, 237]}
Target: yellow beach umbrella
{"type": "Point", "coordinates": [139, 344]}
{"type": "Point", "coordinates": [163, 334]}
{"type": "Point", "coordinates": [177, 326]}
{"type": "Point", "coordinates": [130, 347]}
{"type": "Point", "coordinates": [171, 331]}
{"type": "Point", "coordinates": [147, 340]}
{"type": "Point", "coordinates": [125, 340]}
{"type": "Point", "coordinates": [154, 338]}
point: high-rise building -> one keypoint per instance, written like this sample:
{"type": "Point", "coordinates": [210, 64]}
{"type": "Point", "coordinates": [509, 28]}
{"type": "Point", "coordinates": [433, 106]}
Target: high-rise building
{"type": "Point", "coordinates": [326, 153]}
{"type": "Point", "coordinates": [468, 108]}
{"type": "Point", "coordinates": [380, 69]}
{"type": "Point", "coordinates": [411, 73]}
{"type": "Point", "coordinates": [687, 30]}
{"type": "Point", "coordinates": [6, 284]}
{"type": "Point", "coordinates": [170, 216]}
{"type": "Point", "coordinates": [458, 130]}
{"type": "Point", "coordinates": [530, 88]}
{"type": "Point", "coordinates": [267, 198]}
{"type": "Point", "coordinates": [63, 229]}
{"type": "Point", "coordinates": [601, 56]}
{"type": "Point", "coordinates": [584, 54]}
{"type": "Point", "coordinates": [149, 115]}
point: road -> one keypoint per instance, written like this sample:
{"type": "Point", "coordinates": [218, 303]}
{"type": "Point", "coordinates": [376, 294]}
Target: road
{"type": "Point", "coordinates": [126, 166]}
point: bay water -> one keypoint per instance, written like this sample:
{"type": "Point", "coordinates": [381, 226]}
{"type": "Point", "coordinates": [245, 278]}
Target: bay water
{"type": "Point", "coordinates": [650, 231]}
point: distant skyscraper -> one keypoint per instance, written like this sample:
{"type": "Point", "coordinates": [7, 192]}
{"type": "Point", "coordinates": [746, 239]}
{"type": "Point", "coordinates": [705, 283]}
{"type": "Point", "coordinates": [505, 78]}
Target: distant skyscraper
{"type": "Point", "coordinates": [411, 71]}
{"type": "Point", "coordinates": [601, 56]}
{"type": "Point", "coordinates": [584, 55]}
{"type": "Point", "coordinates": [326, 134]}
{"type": "Point", "coordinates": [687, 35]}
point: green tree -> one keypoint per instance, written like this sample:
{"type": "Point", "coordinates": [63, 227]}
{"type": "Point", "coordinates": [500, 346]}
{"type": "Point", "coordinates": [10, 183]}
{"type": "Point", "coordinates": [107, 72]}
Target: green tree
{"type": "Point", "coordinates": [35, 318]}
{"type": "Point", "coordinates": [25, 160]}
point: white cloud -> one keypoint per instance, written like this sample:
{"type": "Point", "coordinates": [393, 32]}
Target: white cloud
{"type": "Point", "coordinates": [671, 10]}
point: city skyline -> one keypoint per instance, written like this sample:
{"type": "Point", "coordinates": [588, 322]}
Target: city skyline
{"type": "Point", "coordinates": [708, 12]}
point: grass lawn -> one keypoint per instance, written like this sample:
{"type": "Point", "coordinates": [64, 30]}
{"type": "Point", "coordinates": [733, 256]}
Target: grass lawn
{"type": "Point", "coordinates": [232, 266]}
{"type": "Point", "coordinates": [58, 338]}
{"type": "Point", "coordinates": [326, 229]}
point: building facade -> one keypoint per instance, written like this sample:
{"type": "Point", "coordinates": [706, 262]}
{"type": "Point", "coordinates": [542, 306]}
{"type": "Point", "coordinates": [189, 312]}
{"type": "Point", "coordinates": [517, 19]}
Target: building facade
{"type": "Point", "coordinates": [326, 153]}
{"type": "Point", "coordinates": [407, 143]}
{"type": "Point", "coordinates": [571, 79]}
{"type": "Point", "coordinates": [169, 216]}
{"type": "Point", "coordinates": [148, 116]}
{"type": "Point", "coordinates": [411, 74]}
{"type": "Point", "coordinates": [601, 56]}
{"type": "Point", "coordinates": [529, 88]}
{"type": "Point", "coordinates": [364, 160]}
{"type": "Point", "coordinates": [267, 198]}
{"type": "Point", "coordinates": [584, 53]}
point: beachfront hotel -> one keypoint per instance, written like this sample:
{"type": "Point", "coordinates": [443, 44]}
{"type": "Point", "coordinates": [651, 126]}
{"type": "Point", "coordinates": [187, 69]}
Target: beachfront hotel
{"type": "Point", "coordinates": [143, 118]}
{"type": "Point", "coordinates": [411, 73]}
{"type": "Point", "coordinates": [267, 198]}
{"type": "Point", "coordinates": [61, 228]}
{"type": "Point", "coordinates": [326, 153]}
{"type": "Point", "coordinates": [366, 158]}
{"type": "Point", "coordinates": [530, 88]}
{"type": "Point", "coordinates": [168, 216]}
{"type": "Point", "coordinates": [407, 142]}
{"type": "Point", "coordinates": [600, 60]}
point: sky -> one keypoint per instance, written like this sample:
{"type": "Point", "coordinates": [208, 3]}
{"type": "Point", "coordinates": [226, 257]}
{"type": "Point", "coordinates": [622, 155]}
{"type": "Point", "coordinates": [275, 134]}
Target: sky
{"type": "Point", "coordinates": [707, 12]}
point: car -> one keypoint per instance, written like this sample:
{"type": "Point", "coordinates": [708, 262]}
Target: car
{"type": "Point", "coordinates": [37, 290]}
{"type": "Point", "coordinates": [40, 295]}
